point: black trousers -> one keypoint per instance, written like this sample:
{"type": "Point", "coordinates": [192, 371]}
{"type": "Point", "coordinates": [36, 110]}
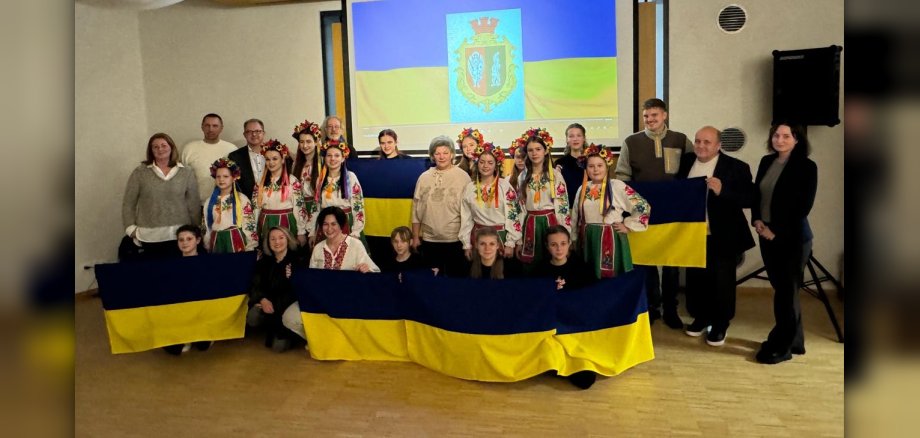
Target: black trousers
{"type": "Point", "coordinates": [785, 262]}
{"type": "Point", "coordinates": [447, 257]}
{"type": "Point", "coordinates": [661, 292]}
{"type": "Point", "coordinates": [711, 290]}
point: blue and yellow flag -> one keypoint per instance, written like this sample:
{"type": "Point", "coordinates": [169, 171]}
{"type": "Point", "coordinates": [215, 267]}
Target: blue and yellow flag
{"type": "Point", "coordinates": [499, 331]}
{"type": "Point", "coordinates": [388, 188]}
{"type": "Point", "coordinates": [158, 303]}
{"type": "Point", "coordinates": [676, 235]}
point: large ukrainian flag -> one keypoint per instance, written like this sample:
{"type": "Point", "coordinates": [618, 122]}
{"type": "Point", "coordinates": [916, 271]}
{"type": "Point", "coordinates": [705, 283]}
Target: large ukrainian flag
{"type": "Point", "coordinates": [499, 331]}
{"type": "Point", "coordinates": [413, 72]}
{"type": "Point", "coordinates": [158, 303]}
{"type": "Point", "coordinates": [676, 235]}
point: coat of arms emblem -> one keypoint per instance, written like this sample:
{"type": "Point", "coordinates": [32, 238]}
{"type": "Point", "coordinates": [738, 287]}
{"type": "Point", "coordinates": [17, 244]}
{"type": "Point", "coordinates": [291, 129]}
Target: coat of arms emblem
{"type": "Point", "coordinates": [485, 68]}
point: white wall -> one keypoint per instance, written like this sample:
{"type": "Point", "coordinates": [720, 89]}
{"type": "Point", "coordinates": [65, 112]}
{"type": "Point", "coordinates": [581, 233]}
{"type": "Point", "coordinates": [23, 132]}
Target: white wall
{"type": "Point", "coordinates": [110, 119]}
{"type": "Point", "coordinates": [137, 73]}
{"type": "Point", "coordinates": [240, 62]}
{"type": "Point", "coordinates": [727, 81]}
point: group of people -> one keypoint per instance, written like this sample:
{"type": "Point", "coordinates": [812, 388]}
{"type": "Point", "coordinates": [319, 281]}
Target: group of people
{"type": "Point", "coordinates": [567, 219]}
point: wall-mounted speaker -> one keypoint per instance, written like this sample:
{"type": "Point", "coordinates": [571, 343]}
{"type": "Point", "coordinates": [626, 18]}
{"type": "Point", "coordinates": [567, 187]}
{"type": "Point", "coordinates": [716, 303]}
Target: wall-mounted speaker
{"type": "Point", "coordinates": [806, 86]}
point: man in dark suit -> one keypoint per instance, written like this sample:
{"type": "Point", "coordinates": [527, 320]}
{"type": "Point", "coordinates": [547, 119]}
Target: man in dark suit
{"type": "Point", "coordinates": [711, 290]}
{"type": "Point", "coordinates": [249, 157]}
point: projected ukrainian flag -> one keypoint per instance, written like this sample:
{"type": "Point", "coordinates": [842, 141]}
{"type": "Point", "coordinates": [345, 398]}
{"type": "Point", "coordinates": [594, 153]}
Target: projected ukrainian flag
{"type": "Point", "coordinates": [442, 63]}
{"type": "Point", "coordinates": [485, 66]}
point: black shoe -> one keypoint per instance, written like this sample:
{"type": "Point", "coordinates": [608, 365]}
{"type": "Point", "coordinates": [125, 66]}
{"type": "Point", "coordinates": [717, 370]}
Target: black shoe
{"type": "Point", "coordinates": [583, 379]}
{"type": "Point", "coordinates": [716, 337]}
{"type": "Point", "coordinates": [672, 319]}
{"type": "Point", "coordinates": [797, 350]}
{"type": "Point", "coordinates": [697, 328]}
{"type": "Point", "coordinates": [175, 350]}
{"type": "Point", "coordinates": [202, 345]}
{"type": "Point", "coordinates": [772, 357]}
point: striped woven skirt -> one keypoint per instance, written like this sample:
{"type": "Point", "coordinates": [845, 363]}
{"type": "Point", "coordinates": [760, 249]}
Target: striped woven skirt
{"type": "Point", "coordinates": [276, 218]}
{"type": "Point", "coordinates": [227, 241]}
{"type": "Point", "coordinates": [535, 226]}
{"type": "Point", "coordinates": [605, 250]}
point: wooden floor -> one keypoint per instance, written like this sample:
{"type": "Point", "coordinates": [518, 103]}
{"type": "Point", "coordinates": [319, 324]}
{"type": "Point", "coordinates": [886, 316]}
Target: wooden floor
{"type": "Point", "coordinates": [239, 388]}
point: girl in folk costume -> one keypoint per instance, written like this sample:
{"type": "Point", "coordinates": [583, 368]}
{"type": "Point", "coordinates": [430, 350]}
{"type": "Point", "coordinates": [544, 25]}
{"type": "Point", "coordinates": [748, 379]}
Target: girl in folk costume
{"type": "Point", "coordinates": [279, 196]}
{"type": "Point", "coordinates": [229, 222]}
{"type": "Point", "coordinates": [469, 139]}
{"type": "Point", "coordinates": [307, 161]}
{"type": "Point", "coordinates": [489, 202]}
{"type": "Point", "coordinates": [543, 194]}
{"type": "Point", "coordinates": [339, 187]}
{"type": "Point", "coordinates": [605, 210]}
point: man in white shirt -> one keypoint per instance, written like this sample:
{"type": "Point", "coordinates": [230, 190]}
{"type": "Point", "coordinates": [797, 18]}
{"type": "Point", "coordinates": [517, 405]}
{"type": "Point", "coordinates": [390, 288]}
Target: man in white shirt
{"type": "Point", "coordinates": [199, 154]}
{"type": "Point", "coordinates": [249, 157]}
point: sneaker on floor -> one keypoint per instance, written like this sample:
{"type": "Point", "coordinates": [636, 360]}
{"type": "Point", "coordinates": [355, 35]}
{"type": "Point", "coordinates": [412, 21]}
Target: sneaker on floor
{"type": "Point", "coordinates": [697, 328]}
{"type": "Point", "coordinates": [716, 337]}
{"type": "Point", "coordinates": [203, 345]}
{"type": "Point", "coordinates": [797, 350]}
{"type": "Point", "coordinates": [672, 319]}
{"type": "Point", "coordinates": [771, 357]}
{"type": "Point", "coordinates": [583, 379]}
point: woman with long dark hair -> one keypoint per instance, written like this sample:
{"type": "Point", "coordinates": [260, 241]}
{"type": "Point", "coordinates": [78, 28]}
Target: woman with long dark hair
{"type": "Point", "coordinates": [544, 195]}
{"type": "Point", "coordinates": [784, 192]}
{"type": "Point", "coordinates": [307, 162]}
{"type": "Point", "coordinates": [339, 187]}
{"type": "Point", "coordinates": [389, 145]}
{"type": "Point", "coordinates": [279, 196]}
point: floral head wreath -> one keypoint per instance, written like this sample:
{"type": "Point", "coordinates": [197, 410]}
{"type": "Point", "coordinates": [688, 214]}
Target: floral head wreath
{"type": "Point", "coordinates": [489, 148]}
{"type": "Point", "coordinates": [521, 142]}
{"type": "Point", "coordinates": [277, 146]}
{"type": "Point", "coordinates": [223, 163]}
{"type": "Point", "coordinates": [596, 150]}
{"type": "Point", "coordinates": [341, 145]}
{"type": "Point", "coordinates": [307, 127]}
{"type": "Point", "coordinates": [470, 132]}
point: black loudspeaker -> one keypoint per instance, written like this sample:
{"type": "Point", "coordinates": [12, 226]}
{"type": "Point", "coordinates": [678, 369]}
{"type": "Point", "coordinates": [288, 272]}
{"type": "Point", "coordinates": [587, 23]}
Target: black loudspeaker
{"type": "Point", "coordinates": [806, 86]}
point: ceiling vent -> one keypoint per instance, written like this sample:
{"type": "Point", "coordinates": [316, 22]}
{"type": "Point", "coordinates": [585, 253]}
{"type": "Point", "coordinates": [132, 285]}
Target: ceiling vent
{"type": "Point", "coordinates": [733, 139]}
{"type": "Point", "coordinates": [732, 19]}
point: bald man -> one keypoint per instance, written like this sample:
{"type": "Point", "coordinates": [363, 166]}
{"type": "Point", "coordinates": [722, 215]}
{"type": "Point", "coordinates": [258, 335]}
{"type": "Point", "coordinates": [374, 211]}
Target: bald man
{"type": "Point", "coordinates": [711, 290]}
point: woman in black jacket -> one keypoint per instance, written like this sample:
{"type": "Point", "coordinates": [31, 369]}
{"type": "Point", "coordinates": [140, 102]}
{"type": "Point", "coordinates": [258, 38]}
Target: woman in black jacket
{"type": "Point", "coordinates": [272, 296]}
{"type": "Point", "coordinates": [784, 192]}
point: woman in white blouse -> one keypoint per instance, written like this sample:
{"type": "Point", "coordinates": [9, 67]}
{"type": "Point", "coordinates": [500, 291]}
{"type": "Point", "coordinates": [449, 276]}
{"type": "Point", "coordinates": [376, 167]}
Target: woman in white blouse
{"type": "Point", "coordinates": [489, 202]}
{"type": "Point", "coordinates": [338, 250]}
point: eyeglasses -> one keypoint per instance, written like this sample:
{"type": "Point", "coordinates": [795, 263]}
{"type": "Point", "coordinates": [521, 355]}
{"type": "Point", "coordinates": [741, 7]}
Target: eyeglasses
{"type": "Point", "coordinates": [254, 131]}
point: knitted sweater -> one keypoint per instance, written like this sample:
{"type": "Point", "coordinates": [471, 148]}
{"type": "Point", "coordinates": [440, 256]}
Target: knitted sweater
{"type": "Point", "coordinates": [638, 160]}
{"type": "Point", "coordinates": [152, 202]}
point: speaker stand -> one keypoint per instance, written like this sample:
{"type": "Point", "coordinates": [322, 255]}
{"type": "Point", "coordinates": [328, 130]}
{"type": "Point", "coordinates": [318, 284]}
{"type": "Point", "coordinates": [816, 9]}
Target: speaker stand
{"type": "Point", "coordinates": [817, 292]}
